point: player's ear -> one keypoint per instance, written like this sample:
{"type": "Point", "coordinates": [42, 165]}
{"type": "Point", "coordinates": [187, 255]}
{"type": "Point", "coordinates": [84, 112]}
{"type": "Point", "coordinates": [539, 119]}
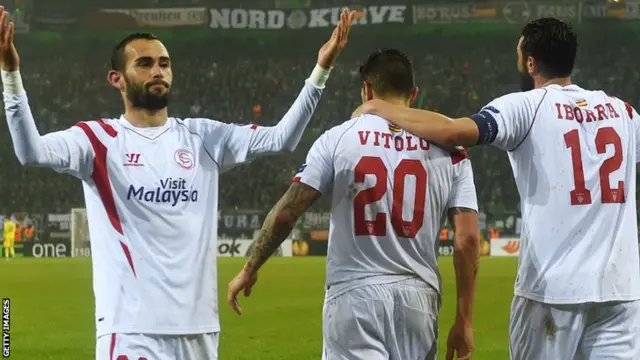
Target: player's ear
{"type": "Point", "coordinates": [414, 95]}
{"type": "Point", "coordinates": [368, 91]}
{"type": "Point", "coordinates": [531, 65]}
{"type": "Point", "coordinates": [114, 78]}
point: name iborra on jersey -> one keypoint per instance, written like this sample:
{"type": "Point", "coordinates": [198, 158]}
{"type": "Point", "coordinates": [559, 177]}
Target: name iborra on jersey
{"type": "Point", "coordinates": [171, 191]}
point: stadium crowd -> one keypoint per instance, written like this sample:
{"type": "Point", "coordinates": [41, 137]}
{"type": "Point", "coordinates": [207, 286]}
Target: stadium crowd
{"type": "Point", "coordinates": [255, 80]}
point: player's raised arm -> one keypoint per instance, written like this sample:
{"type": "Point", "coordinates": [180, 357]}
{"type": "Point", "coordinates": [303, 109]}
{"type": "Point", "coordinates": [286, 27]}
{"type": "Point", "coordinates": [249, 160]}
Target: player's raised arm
{"type": "Point", "coordinates": [246, 142]}
{"type": "Point", "coordinates": [505, 122]}
{"type": "Point", "coordinates": [463, 217]}
{"type": "Point", "coordinates": [65, 151]}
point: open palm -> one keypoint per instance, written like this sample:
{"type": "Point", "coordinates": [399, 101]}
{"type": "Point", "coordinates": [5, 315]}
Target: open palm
{"type": "Point", "coordinates": [9, 59]}
{"type": "Point", "coordinates": [331, 49]}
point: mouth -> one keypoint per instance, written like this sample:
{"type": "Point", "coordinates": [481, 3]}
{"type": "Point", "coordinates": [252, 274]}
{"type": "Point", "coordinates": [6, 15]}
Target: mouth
{"type": "Point", "coordinates": [159, 83]}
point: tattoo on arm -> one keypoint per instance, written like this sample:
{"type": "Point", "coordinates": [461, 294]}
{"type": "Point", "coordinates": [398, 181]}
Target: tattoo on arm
{"type": "Point", "coordinates": [280, 222]}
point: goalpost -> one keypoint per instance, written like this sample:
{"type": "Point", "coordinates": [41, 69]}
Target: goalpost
{"type": "Point", "coordinates": [79, 233]}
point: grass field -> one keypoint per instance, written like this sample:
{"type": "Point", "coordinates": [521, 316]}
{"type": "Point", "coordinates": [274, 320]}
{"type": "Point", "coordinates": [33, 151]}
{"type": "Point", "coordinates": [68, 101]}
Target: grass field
{"type": "Point", "coordinates": [52, 309]}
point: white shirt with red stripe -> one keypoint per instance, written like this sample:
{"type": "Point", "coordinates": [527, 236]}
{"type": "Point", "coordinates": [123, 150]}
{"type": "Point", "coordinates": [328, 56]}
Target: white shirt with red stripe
{"type": "Point", "coordinates": [390, 193]}
{"type": "Point", "coordinates": [152, 198]}
{"type": "Point", "coordinates": [573, 154]}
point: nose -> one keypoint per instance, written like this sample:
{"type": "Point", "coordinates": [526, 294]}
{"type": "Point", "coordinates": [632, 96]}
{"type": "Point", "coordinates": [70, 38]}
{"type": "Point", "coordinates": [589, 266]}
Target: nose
{"type": "Point", "coordinates": [156, 72]}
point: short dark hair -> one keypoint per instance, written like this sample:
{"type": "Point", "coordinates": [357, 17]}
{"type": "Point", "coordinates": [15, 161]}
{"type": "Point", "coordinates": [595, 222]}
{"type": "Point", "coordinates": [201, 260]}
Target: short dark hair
{"type": "Point", "coordinates": [553, 44]}
{"type": "Point", "coordinates": [389, 72]}
{"type": "Point", "coordinates": [118, 61]}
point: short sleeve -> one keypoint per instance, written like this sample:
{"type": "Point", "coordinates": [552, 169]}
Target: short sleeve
{"type": "Point", "coordinates": [506, 121]}
{"type": "Point", "coordinates": [463, 193]}
{"type": "Point", "coordinates": [318, 170]}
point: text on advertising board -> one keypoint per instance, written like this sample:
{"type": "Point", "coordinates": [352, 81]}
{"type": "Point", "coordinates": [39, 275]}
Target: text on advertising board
{"type": "Point", "coordinates": [300, 18]}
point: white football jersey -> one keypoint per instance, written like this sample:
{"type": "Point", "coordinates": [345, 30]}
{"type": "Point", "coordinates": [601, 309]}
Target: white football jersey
{"type": "Point", "coordinates": [573, 153]}
{"type": "Point", "coordinates": [390, 192]}
{"type": "Point", "coordinates": [152, 202]}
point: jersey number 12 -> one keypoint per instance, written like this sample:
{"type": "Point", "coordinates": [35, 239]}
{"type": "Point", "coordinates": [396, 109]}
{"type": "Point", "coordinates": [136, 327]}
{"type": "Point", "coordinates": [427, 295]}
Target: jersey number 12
{"type": "Point", "coordinates": [370, 165]}
{"type": "Point", "coordinates": [580, 195]}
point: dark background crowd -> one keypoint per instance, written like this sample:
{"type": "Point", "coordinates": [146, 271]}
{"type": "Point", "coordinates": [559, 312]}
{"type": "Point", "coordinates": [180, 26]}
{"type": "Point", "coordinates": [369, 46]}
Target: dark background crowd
{"type": "Point", "coordinates": [254, 79]}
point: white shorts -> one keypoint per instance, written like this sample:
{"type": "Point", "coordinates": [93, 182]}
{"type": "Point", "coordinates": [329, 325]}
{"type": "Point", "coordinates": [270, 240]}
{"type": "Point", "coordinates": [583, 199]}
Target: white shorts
{"type": "Point", "coordinates": [608, 330]}
{"type": "Point", "coordinates": [157, 347]}
{"type": "Point", "coordinates": [396, 321]}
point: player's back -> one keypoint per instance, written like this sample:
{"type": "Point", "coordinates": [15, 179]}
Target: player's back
{"type": "Point", "coordinates": [390, 193]}
{"type": "Point", "coordinates": [576, 174]}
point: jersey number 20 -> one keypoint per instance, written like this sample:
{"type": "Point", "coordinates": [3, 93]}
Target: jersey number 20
{"type": "Point", "coordinates": [580, 195]}
{"type": "Point", "coordinates": [370, 165]}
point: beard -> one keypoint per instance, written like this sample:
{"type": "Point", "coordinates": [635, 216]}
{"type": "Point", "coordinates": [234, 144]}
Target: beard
{"type": "Point", "coordinates": [526, 82]}
{"type": "Point", "coordinates": [141, 97]}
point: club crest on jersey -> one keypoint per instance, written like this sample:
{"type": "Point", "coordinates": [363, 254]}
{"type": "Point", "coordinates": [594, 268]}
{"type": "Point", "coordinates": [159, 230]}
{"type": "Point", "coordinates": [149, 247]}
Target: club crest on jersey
{"type": "Point", "coordinates": [171, 191]}
{"type": "Point", "coordinates": [185, 159]}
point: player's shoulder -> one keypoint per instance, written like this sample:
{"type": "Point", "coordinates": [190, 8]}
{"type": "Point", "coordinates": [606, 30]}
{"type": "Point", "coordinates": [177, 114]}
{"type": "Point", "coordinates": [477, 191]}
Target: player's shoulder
{"type": "Point", "coordinates": [198, 125]}
{"type": "Point", "coordinates": [518, 98]}
{"type": "Point", "coordinates": [338, 131]}
{"type": "Point", "coordinates": [620, 103]}
{"type": "Point", "coordinates": [456, 157]}
{"type": "Point", "coordinates": [98, 127]}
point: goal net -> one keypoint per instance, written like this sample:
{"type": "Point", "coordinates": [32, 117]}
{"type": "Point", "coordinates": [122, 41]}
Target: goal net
{"type": "Point", "coordinates": [79, 233]}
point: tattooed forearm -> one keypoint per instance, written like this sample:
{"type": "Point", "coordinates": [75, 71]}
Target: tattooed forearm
{"type": "Point", "coordinates": [280, 222]}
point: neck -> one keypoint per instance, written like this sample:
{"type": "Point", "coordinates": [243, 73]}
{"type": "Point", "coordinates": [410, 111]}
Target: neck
{"type": "Point", "coordinates": [541, 82]}
{"type": "Point", "coordinates": [145, 117]}
{"type": "Point", "coordinates": [395, 101]}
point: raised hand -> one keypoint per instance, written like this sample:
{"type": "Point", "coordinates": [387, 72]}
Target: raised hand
{"type": "Point", "coordinates": [9, 59]}
{"type": "Point", "coordinates": [331, 49]}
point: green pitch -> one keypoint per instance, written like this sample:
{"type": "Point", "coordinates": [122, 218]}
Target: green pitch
{"type": "Point", "coordinates": [52, 309]}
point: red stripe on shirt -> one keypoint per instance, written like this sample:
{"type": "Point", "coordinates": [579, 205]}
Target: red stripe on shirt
{"type": "Point", "coordinates": [296, 179]}
{"type": "Point", "coordinates": [629, 109]}
{"type": "Point", "coordinates": [108, 128]}
{"type": "Point", "coordinates": [100, 177]}
{"type": "Point", "coordinates": [458, 156]}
